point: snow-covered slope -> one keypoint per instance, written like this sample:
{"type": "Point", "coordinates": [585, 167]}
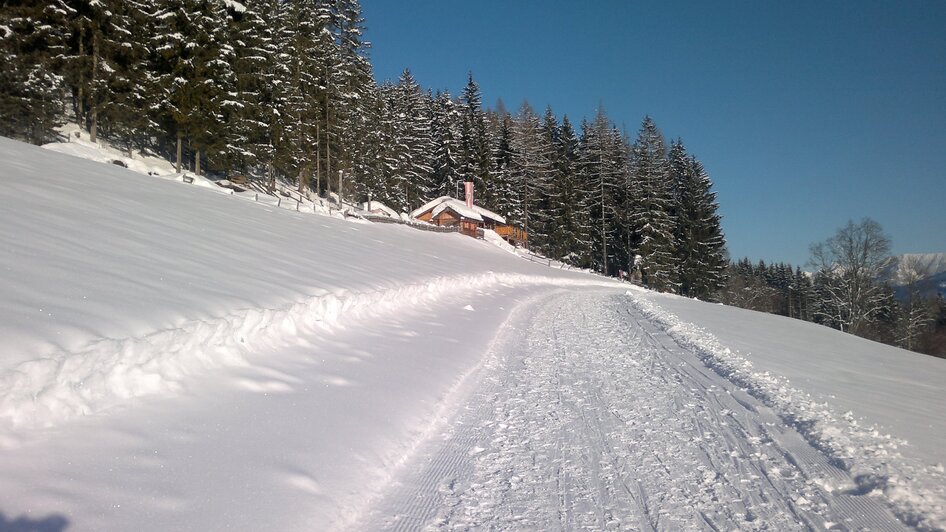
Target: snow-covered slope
{"type": "Point", "coordinates": [177, 358]}
{"type": "Point", "coordinates": [107, 273]}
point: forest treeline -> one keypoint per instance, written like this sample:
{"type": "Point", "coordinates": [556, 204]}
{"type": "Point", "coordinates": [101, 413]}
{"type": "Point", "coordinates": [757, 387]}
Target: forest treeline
{"type": "Point", "coordinates": [284, 89]}
{"type": "Point", "coordinates": [849, 290]}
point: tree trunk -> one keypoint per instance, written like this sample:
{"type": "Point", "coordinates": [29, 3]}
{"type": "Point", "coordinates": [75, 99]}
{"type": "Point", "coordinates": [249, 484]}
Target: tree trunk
{"type": "Point", "coordinates": [93, 129]}
{"type": "Point", "coordinates": [303, 179]}
{"type": "Point", "coordinates": [180, 142]}
{"type": "Point", "coordinates": [604, 226]}
{"type": "Point", "coordinates": [318, 162]}
{"type": "Point", "coordinates": [197, 162]}
{"type": "Point", "coordinates": [328, 144]}
{"type": "Point", "coordinates": [80, 107]}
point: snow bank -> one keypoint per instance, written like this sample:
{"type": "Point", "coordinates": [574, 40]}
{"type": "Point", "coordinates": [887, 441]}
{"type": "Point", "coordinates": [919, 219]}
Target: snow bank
{"type": "Point", "coordinates": [104, 153]}
{"type": "Point", "coordinates": [45, 391]}
{"type": "Point", "coordinates": [916, 490]}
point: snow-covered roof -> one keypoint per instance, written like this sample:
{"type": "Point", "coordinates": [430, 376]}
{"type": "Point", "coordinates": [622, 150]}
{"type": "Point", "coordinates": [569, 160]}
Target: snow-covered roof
{"type": "Point", "coordinates": [443, 203]}
{"type": "Point", "coordinates": [236, 6]}
{"type": "Point", "coordinates": [378, 206]}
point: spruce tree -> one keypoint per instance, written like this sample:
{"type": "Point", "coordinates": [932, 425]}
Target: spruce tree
{"type": "Point", "coordinates": [446, 170]}
{"type": "Point", "coordinates": [414, 149]}
{"type": "Point", "coordinates": [30, 90]}
{"type": "Point", "coordinates": [651, 207]}
{"type": "Point", "coordinates": [508, 201]}
{"type": "Point", "coordinates": [246, 143]}
{"type": "Point", "coordinates": [698, 233]}
{"type": "Point", "coordinates": [476, 162]}
{"type": "Point", "coordinates": [193, 70]}
{"type": "Point", "coordinates": [531, 173]}
{"type": "Point", "coordinates": [568, 236]}
{"type": "Point", "coordinates": [600, 175]}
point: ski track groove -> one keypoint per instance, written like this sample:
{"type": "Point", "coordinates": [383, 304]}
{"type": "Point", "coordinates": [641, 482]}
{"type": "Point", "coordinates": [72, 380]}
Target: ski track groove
{"type": "Point", "coordinates": [589, 417]}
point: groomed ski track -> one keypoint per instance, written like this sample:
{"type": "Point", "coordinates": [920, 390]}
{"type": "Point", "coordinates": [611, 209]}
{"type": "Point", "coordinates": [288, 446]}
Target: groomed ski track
{"type": "Point", "coordinates": [513, 403]}
{"type": "Point", "coordinates": [588, 416]}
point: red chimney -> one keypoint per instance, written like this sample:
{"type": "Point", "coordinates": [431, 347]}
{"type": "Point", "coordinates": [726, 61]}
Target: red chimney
{"type": "Point", "coordinates": [468, 191]}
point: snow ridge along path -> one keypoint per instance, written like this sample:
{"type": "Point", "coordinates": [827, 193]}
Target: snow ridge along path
{"type": "Point", "coordinates": [52, 389]}
{"type": "Point", "coordinates": [590, 416]}
{"type": "Point", "coordinates": [915, 491]}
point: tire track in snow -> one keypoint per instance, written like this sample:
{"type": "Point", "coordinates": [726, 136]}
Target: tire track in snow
{"type": "Point", "coordinates": [593, 418]}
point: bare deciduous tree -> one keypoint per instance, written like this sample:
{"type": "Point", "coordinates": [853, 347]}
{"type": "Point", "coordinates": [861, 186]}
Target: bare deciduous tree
{"type": "Point", "coordinates": [917, 314]}
{"type": "Point", "coordinates": [848, 266]}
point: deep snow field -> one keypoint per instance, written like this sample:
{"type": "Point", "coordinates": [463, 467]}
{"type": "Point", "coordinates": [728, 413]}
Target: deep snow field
{"type": "Point", "coordinates": [176, 358]}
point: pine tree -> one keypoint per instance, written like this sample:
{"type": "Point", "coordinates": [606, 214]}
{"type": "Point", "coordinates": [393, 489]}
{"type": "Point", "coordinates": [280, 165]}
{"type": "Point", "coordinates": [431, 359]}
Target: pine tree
{"type": "Point", "coordinates": [698, 234]}
{"type": "Point", "coordinates": [413, 148]}
{"type": "Point", "coordinates": [531, 173]}
{"type": "Point", "coordinates": [601, 170]}
{"type": "Point", "coordinates": [246, 143]}
{"type": "Point", "coordinates": [446, 169]}
{"type": "Point", "coordinates": [30, 91]}
{"type": "Point", "coordinates": [349, 89]}
{"type": "Point", "coordinates": [652, 203]}
{"type": "Point", "coordinates": [193, 70]}
{"type": "Point", "coordinates": [475, 161]}
{"type": "Point", "coordinates": [568, 237]}
{"type": "Point", "coordinates": [508, 201]}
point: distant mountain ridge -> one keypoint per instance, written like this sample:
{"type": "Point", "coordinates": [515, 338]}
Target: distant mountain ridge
{"type": "Point", "coordinates": [930, 267]}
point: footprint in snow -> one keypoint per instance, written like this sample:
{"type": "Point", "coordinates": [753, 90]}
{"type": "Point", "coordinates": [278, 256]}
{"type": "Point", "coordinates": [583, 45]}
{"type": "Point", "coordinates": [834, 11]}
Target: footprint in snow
{"type": "Point", "coordinates": [469, 307]}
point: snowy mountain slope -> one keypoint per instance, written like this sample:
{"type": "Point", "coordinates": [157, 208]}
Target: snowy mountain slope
{"type": "Point", "coordinates": [202, 362]}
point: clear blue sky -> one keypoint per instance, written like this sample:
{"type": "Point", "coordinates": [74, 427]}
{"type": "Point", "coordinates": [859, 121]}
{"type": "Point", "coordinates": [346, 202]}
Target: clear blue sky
{"type": "Point", "coordinates": [805, 114]}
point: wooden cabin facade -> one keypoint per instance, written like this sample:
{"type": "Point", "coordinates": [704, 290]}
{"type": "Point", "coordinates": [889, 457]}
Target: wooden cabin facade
{"type": "Point", "coordinates": [513, 234]}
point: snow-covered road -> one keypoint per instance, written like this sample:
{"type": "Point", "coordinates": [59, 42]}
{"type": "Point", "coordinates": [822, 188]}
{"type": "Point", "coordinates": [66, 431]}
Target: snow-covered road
{"type": "Point", "coordinates": [589, 416]}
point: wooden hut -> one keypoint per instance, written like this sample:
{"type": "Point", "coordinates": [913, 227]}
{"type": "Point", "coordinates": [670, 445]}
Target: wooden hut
{"type": "Point", "coordinates": [448, 211]}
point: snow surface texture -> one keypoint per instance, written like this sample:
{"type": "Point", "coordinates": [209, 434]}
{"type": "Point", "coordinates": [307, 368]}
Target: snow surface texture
{"type": "Point", "coordinates": [175, 358]}
{"type": "Point", "coordinates": [911, 478]}
{"type": "Point", "coordinates": [590, 417]}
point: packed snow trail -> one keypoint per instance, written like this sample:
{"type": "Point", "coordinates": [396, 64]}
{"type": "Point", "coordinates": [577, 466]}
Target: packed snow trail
{"type": "Point", "coordinates": [588, 416]}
